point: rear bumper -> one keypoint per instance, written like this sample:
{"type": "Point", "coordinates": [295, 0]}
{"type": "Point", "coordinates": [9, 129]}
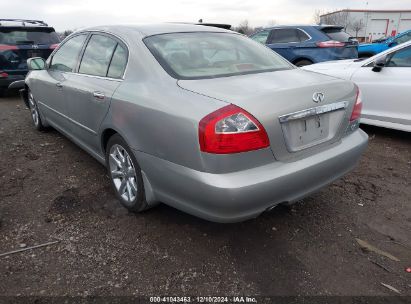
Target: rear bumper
{"type": "Point", "coordinates": [17, 82]}
{"type": "Point", "coordinates": [238, 196]}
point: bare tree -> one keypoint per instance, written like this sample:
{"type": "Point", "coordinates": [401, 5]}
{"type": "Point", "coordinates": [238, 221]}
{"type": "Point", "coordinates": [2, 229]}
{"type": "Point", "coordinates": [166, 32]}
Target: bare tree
{"type": "Point", "coordinates": [317, 16]}
{"type": "Point", "coordinates": [244, 28]}
{"type": "Point", "coordinates": [337, 18]}
{"type": "Point", "coordinates": [65, 33]}
{"type": "Point", "coordinates": [272, 22]}
{"type": "Point", "coordinates": [357, 26]}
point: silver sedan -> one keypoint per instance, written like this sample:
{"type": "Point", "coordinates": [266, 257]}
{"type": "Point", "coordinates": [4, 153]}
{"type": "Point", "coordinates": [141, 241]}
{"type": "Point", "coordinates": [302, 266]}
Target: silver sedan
{"type": "Point", "coordinates": [200, 118]}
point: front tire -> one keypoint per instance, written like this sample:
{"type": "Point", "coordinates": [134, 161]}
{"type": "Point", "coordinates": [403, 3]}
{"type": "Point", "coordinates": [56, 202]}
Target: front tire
{"type": "Point", "coordinates": [125, 174]}
{"type": "Point", "coordinates": [34, 111]}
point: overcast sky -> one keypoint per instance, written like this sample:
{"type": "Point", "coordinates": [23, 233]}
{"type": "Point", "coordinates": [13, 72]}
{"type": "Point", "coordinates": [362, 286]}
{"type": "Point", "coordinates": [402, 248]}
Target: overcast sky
{"type": "Point", "coordinates": [74, 14]}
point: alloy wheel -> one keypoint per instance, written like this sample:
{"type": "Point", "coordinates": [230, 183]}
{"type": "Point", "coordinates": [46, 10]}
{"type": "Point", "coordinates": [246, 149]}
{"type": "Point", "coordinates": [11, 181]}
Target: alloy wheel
{"type": "Point", "coordinates": [33, 109]}
{"type": "Point", "coordinates": [123, 173]}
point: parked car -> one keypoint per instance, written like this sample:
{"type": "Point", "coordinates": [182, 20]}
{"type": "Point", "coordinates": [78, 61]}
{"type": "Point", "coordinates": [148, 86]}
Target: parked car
{"type": "Point", "coordinates": [384, 81]}
{"type": "Point", "coordinates": [371, 49]}
{"type": "Point", "coordinates": [200, 118]}
{"type": "Point", "coordinates": [19, 40]}
{"type": "Point", "coordinates": [308, 44]}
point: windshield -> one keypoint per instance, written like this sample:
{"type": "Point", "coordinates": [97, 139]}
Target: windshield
{"type": "Point", "coordinates": [336, 34]}
{"type": "Point", "coordinates": [13, 36]}
{"type": "Point", "coordinates": [209, 55]}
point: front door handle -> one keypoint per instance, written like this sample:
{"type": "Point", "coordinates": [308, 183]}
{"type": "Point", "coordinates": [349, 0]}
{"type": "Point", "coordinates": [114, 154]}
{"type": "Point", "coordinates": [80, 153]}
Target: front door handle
{"type": "Point", "coordinates": [99, 95]}
{"type": "Point", "coordinates": [59, 85]}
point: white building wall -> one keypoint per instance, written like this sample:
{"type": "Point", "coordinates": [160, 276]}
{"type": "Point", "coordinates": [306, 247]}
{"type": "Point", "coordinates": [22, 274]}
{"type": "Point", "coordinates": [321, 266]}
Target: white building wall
{"type": "Point", "coordinates": [378, 24]}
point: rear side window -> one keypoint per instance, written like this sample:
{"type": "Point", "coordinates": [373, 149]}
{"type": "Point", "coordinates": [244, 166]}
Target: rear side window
{"type": "Point", "coordinates": [302, 35]}
{"type": "Point", "coordinates": [284, 36]}
{"type": "Point", "coordinates": [336, 34]}
{"type": "Point", "coordinates": [97, 56]}
{"type": "Point", "coordinates": [118, 63]}
{"type": "Point", "coordinates": [16, 36]}
{"type": "Point", "coordinates": [65, 58]}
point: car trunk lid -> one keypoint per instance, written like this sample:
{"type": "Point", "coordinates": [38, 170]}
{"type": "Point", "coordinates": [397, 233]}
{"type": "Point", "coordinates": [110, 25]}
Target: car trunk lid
{"type": "Point", "coordinates": [283, 102]}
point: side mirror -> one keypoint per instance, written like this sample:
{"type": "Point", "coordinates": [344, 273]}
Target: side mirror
{"type": "Point", "coordinates": [379, 63]}
{"type": "Point", "coordinates": [392, 44]}
{"type": "Point", "coordinates": [36, 63]}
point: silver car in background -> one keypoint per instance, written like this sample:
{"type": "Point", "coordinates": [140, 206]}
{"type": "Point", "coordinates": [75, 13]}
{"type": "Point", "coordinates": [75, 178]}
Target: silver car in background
{"type": "Point", "coordinates": [200, 118]}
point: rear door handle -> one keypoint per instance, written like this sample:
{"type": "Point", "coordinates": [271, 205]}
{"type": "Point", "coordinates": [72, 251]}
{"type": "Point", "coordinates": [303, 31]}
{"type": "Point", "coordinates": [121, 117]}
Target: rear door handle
{"type": "Point", "coordinates": [59, 85]}
{"type": "Point", "coordinates": [99, 95]}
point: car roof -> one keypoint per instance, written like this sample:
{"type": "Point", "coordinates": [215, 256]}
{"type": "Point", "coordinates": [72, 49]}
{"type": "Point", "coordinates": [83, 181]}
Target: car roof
{"type": "Point", "coordinates": [317, 26]}
{"type": "Point", "coordinates": [22, 23]}
{"type": "Point", "coordinates": [145, 30]}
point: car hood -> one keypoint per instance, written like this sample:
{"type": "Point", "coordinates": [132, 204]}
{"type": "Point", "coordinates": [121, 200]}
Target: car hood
{"type": "Point", "coordinates": [332, 65]}
{"type": "Point", "coordinates": [267, 96]}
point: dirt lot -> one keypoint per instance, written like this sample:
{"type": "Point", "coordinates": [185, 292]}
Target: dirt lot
{"type": "Point", "coordinates": [52, 190]}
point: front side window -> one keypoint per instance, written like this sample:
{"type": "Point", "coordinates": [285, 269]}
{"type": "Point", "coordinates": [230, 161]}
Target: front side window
{"type": "Point", "coordinates": [211, 55]}
{"type": "Point", "coordinates": [401, 58]}
{"type": "Point", "coordinates": [97, 56]}
{"type": "Point", "coordinates": [65, 59]}
{"type": "Point", "coordinates": [403, 38]}
{"type": "Point", "coordinates": [261, 37]}
{"type": "Point", "coordinates": [285, 36]}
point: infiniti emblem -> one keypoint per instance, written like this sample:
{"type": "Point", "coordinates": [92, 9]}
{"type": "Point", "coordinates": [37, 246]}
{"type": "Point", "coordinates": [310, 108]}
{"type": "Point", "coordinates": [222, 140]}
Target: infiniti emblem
{"type": "Point", "coordinates": [318, 97]}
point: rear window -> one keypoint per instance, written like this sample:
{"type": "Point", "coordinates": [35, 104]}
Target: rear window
{"type": "Point", "coordinates": [336, 34]}
{"type": "Point", "coordinates": [211, 55]}
{"type": "Point", "coordinates": [15, 36]}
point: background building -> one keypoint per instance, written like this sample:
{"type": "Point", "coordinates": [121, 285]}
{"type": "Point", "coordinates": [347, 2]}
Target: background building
{"type": "Point", "coordinates": [368, 25]}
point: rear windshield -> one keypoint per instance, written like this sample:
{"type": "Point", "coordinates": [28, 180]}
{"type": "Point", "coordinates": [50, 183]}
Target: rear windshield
{"type": "Point", "coordinates": [15, 36]}
{"type": "Point", "coordinates": [210, 55]}
{"type": "Point", "coordinates": [336, 34]}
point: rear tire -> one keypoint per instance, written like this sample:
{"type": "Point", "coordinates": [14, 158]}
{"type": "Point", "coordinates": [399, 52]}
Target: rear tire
{"type": "Point", "coordinates": [125, 175]}
{"type": "Point", "coordinates": [303, 62]}
{"type": "Point", "coordinates": [34, 111]}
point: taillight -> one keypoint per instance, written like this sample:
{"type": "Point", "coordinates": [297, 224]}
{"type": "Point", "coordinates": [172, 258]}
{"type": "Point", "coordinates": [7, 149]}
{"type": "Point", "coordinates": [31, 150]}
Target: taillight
{"type": "Point", "coordinates": [231, 130]}
{"type": "Point", "coordinates": [330, 44]}
{"type": "Point", "coordinates": [356, 112]}
{"type": "Point", "coordinates": [5, 47]}
{"type": "Point", "coordinates": [3, 74]}
{"type": "Point", "coordinates": [53, 46]}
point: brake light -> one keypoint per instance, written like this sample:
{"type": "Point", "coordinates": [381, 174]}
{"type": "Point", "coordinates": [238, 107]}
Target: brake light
{"type": "Point", "coordinates": [53, 46]}
{"type": "Point", "coordinates": [330, 44]}
{"type": "Point", "coordinates": [231, 129]}
{"type": "Point", "coordinates": [356, 112]}
{"type": "Point", "coordinates": [3, 75]}
{"type": "Point", "coordinates": [5, 47]}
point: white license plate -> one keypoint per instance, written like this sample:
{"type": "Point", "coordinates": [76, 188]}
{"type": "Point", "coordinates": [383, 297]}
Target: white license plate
{"type": "Point", "coordinates": [305, 132]}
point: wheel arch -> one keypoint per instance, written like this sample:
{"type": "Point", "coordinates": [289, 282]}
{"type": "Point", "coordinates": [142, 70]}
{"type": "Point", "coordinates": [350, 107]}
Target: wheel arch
{"type": "Point", "coordinates": [302, 58]}
{"type": "Point", "coordinates": [105, 136]}
{"type": "Point", "coordinates": [365, 54]}
{"type": "Point", "coordinates": [150, 196]}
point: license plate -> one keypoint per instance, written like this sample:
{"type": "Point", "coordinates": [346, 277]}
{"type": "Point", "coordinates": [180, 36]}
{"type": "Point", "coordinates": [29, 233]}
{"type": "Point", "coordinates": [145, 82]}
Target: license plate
{"type": "Point", "coordinates": [312, 126]}
{"type": "Point", "coordinates": [304, 132]}
{"type": "Point", "coordinates": [32, 54]}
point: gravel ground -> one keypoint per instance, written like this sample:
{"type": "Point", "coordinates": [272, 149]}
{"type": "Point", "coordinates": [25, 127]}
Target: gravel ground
{"type": "Point", "coordinates": [52, 190]}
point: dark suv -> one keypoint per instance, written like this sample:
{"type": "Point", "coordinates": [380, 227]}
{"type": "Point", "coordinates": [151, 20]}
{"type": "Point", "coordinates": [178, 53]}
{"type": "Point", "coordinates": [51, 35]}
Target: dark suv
{"type": "Point", "coordinates": [307, 44]}
{"type": "Point", "coordinates": [20, 40]}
